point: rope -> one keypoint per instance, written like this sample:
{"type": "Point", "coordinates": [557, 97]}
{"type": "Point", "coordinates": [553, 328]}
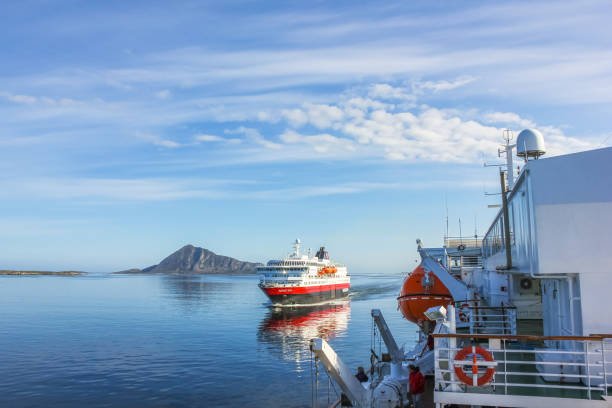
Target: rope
{"type": "Point", "coordinates": [332, 384]}
{"type": "Point", "coordinates": [316, 363]}
{"type": "Point", "coordinates": [311, 382]}
{"type": "Point", "coordinates": [328, 387]}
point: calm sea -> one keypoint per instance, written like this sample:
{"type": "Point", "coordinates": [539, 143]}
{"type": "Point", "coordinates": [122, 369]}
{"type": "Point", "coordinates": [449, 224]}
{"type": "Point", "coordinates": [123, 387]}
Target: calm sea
{"type": "Point", "coordinates": [174, 341]}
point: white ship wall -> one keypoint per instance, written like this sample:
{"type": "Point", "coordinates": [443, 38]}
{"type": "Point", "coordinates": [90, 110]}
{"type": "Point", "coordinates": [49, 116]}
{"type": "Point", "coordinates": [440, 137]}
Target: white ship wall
{"type": "Point", "coordinates": [561, 224]}
{"type": "Point", "coordinates": [572, 196]}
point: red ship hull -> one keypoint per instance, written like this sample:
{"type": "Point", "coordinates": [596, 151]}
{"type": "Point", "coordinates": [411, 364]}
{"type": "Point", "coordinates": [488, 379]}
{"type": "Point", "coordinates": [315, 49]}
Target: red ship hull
{"type": "Point", "coordinates": [299, 295]}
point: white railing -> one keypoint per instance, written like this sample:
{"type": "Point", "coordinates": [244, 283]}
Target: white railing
{"type": "Point", "coordinates": [486, 319]}
{"type": "Point", "coordinates": [492, 320]}
{"type": "Point", "coordinates": [499, 368]}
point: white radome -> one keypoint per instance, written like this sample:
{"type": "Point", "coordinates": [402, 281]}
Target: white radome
{"type": "Point", "coordinates": [530, 143]}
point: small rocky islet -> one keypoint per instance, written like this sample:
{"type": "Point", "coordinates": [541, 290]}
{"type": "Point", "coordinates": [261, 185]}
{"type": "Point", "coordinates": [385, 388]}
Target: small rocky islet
{"type": "Point", "coordinates": [196, 260]}
{"type": "Point", "coordinates": [40, 273]}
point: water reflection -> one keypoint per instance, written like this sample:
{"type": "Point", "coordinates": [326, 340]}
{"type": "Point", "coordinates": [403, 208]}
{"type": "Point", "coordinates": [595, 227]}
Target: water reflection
{"type": "Point", "coordinates": [193, 290]}
{"type": "Point", "coordinates": [287, 331]}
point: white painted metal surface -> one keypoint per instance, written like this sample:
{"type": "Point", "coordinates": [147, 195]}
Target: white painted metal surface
{"type": "Point", "coordinates": [478, 399]}
{"type": "Point", "coordinates": [579, 373]}
{"type": "Point", "coordinates": [342, 375]}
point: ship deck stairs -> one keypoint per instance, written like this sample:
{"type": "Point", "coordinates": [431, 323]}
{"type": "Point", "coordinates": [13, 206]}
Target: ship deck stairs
{"type": "Point", "coordinates": [475, 319]}
{"type": "Point", "coordinates": [523, 371]}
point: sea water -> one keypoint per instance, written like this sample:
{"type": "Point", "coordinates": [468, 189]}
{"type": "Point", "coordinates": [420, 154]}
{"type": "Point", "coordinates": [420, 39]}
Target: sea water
{"type": "Point", "coordinates": [107, 340]}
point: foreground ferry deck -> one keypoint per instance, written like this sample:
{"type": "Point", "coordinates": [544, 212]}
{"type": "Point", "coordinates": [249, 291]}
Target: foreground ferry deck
{"type": "Point", "coordinates": [520, 318]}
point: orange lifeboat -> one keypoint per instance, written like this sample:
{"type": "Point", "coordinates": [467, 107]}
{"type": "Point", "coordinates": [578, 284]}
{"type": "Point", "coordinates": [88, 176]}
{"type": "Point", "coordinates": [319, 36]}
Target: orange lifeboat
{"type": "Point", "coordinates": [421, 291]}
{"type": "Point", "coordinates": [328, 270]}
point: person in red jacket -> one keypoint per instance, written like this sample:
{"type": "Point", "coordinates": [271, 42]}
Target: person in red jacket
{"type": "Point", "coordinates": [417, 386]}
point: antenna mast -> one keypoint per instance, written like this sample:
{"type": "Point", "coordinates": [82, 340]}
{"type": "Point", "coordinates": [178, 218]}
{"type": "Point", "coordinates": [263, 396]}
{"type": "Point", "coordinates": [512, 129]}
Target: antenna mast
{"type": "Point", "coordinates": [446, 204]}
{"type": "Point", "coordinates": [507, 148]}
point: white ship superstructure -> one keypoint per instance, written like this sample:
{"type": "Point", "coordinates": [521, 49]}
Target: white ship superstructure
{"type": "Point", "coordinates": [304, 279]}
{"type": "Point", "coordinates": [520, 318]}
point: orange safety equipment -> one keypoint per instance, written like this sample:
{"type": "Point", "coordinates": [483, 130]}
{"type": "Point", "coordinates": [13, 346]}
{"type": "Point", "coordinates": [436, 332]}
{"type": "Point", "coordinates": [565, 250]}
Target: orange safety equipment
{"type": "Point", "coordinates": [474, 380]}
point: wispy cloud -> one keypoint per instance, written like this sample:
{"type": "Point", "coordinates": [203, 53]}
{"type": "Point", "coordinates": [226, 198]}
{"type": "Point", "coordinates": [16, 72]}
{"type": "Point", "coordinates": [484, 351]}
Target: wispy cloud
{"type": "Point", "coordinates": [213, 138]}
{"type": "Point", "coordinates": [120, 189]}
{"type": "Point", "coordinates": [254, 136]}
{"type": "Point", "coordinates": [157, 140]}
{"type": "Point", "coordinates": [443, 85]}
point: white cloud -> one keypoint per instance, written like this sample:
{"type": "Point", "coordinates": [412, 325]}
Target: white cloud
{"type": "Point", "coordinates": [157, 140]}
{"type": "Point", "coordinates": [212, 138]}
{"type": "Point", "coordinates": [369, 127]}
{"type": "Point", "coordinates": [267, 117]}
{"type": "Point", "coordinates": [27, 99]}
{"type": "Point", "coordinates": [254, 136]}
{"type": "Point", "coordinates": [321, 143]}
{"type": "Point", "coordinates": [208, 138]}
{"type": "Point", "coordinates": [386, 91]}
{"type": "Point", "coordinates": [166, 143]}
{"type": "Point", "coordinates": [295, 117]}
{"type": "Point", "coordinates": [325, 190]}
{"type": "Point", "coordinates": [507, 118]}
{"type": "Point", "coordinates": [323, 116]}
{"type": "Point", "coordinates": [113, 189]}
{"type": "Point", "coordinates": [443, 85]}
{"type": "Point", "coordinates": [163, 94]}
{"type": "Point", "coordinates": [44, 101]}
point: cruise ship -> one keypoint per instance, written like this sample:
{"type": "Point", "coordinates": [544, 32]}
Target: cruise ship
{"type": "Point", "coordinates": [304, 279]}
{"type": "Point", "coordinates": [517, 318]}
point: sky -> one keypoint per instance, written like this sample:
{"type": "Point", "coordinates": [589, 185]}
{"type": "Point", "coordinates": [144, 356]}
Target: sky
{"type": "Point", "coordinates": [130, 129]}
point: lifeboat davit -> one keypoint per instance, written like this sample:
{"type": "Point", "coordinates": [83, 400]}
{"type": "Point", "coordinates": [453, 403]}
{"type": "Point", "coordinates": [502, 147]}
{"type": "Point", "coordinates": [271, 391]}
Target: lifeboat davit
{"type": "Point", "coordinates": [420, 291]}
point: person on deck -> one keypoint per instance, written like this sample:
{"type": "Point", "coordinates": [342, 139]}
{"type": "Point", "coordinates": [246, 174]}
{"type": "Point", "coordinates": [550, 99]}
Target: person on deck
{"type": "Point", "coordinates": [361, 375]}
{"type": "Point", "coordinates": [417, 386]}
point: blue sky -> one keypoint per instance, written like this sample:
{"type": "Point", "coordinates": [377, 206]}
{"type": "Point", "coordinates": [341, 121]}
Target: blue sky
{"type": "Point", "coordinates": [130, 129]}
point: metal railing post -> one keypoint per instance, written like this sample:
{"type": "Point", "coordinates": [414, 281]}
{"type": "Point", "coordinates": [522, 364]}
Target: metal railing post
{"type": "Point", "coordinates": [505, 368]}
{"type": "Point", "coordinates": [471, 319]}
{"type": "Point", "coordinates": [603, 362]}
{"type": "Point", "coordinates": [437, 373]}
{"type": "Point", "coordinates": [586, 352]}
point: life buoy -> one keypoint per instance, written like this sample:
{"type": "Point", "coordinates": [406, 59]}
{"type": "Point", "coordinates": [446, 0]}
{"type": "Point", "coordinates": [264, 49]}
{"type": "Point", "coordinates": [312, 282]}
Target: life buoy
{"type": "Point", "coordinates": [474, 379]}
{"type": "Point", "coordinates": [463, 313]}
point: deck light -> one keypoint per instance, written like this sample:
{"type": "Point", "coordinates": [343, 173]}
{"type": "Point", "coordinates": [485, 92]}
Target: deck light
{"type": "Point", "coordinates": [436, 313]}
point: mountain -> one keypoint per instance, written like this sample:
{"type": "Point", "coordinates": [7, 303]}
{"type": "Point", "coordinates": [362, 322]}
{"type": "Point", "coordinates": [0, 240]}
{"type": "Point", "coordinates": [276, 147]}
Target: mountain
{"type": "Point", "coordinates": [190, 259]}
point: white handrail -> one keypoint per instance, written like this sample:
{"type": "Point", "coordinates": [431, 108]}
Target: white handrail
{"type": "Point", "coordinates": [584, 366]}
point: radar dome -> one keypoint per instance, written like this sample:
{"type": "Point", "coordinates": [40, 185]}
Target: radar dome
{"type": "Point", "coordinates": [530, 143]}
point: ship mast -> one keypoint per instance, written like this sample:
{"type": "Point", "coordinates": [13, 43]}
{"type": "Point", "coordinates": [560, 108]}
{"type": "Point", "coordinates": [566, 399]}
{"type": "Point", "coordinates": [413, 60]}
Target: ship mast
{"type": "Point", "coordinates": [508, 136]}
{"type": "Point", "coordinates": [296, 248]}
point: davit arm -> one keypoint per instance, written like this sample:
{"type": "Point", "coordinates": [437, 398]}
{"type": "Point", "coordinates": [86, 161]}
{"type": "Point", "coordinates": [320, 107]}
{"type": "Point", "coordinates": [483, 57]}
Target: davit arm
{"type": "Point", "coordinates": [341, 374]}
{"type": "Point", "coordinates": [457, 288]}
{"type": "Point", "coordinates": [385, 333]}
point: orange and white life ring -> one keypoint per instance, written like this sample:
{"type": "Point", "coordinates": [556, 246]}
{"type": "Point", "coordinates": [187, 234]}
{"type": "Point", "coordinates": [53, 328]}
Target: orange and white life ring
{"type": "Point", "coordinates": [474, 380]}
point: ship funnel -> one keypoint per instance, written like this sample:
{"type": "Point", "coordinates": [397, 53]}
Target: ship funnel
{"type": "Point", "coordinates": [530, 144]}
{"type": "Point", "coordinates": [322, 254]}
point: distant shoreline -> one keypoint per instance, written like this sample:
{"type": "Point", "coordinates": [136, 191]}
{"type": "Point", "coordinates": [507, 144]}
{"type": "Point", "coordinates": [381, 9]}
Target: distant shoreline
{"type": "Point", "coordinates": [41, 273]}
{"type": "Point", "coordinates": [182, 272]}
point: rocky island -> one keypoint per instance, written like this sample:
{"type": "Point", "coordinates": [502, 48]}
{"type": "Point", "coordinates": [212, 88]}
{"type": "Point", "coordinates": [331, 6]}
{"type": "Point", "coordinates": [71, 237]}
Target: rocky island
{"type": "Point", "coordinates": [196, 260]}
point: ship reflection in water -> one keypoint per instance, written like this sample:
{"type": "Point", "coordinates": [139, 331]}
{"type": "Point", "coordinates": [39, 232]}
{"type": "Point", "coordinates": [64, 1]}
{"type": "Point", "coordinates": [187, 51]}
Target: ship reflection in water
{"type": "Point", "coordinates": [286, 331]}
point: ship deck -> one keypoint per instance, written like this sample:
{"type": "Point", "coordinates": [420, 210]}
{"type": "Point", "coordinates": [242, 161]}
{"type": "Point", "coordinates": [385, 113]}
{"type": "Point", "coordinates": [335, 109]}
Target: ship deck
{"type": "Point", "coordinates": [529, 370]}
